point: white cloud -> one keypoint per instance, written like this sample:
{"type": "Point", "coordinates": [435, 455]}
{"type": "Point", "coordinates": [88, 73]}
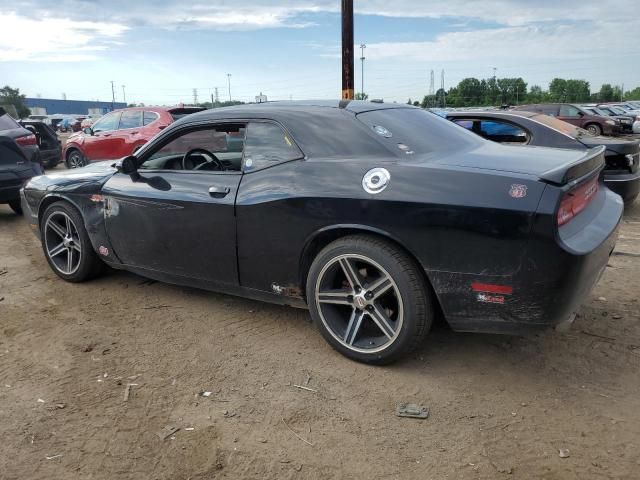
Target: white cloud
{"type": "Point", "coordinates": [52, 39]}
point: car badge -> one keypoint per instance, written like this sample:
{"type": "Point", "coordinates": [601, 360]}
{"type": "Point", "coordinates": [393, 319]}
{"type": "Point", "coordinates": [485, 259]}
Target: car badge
{"type": "Point", "coordinates": [518, 191]}
{"type": "Point", "coordinates": [376, 180]}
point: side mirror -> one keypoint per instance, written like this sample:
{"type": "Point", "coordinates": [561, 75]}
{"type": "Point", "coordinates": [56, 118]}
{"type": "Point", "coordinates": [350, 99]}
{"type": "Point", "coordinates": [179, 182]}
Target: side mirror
{"type": "Point", "coordinates": [580, 114]}
{"type": "Point", "coordinates": [88, 130]}
{"type": "Point", "coordinates": [129, 166]}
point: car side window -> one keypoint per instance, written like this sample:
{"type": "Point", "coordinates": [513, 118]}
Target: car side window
{"type": "Point", "coordinates": [130, 119]}
{"type": "Point", "coordinates": [268, 144]}
{"type": "Point", "coordinates": [214, 148]}
{"type": "Point", "coordinates": [568, 111]}
{"type": "Point", "coordinates": [502, 132]}
{"type": "Point", "coordinates": [149, 117]}
{"type": "Point", "coordinates": [107, 123]}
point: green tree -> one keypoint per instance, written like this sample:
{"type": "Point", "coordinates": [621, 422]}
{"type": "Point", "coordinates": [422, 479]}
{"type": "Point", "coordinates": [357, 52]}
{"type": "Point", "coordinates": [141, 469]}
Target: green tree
{"type": "Point", "coordinates": [606, 93]}
{"type": "Point", "coordinates": [558, 90]}
{"type": "Point", "coordinates": [361, 96]}
{"type": "Point", "coordinates": [632, 94]}
{"type": "Point", "coordinates": [577, 91]}
{"type": "Point", "coordinates": [12, 96]}
{"type": "Point", "coordinates": [537, 95]}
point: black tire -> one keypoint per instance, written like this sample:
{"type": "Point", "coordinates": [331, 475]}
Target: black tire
{"type": "Point", "coordinates": [15, 206]}
{"type": "Point", "coordinates": [413, 311]}
{"type": "Point", "coordinates": [594, 129]}
{"type": "Point", "coordinates": [75, 159]}
{"type": "Point", "coordinates": [89, 264]}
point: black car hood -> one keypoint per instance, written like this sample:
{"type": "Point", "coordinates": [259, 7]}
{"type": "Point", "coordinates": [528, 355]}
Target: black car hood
{"type": "Point", "coordinates": [616, 146]}
{"type": "Point", "coordinates": [77, 179]}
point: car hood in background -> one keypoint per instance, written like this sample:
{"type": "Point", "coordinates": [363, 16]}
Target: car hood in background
{"type": "Point", "coordinates": [76, 178]}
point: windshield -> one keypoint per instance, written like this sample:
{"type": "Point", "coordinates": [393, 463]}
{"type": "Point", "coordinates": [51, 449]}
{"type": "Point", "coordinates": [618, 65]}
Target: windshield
{"type": "Point", "coordinates": [408, 131]}
{"type": "Point", "coordinates": [562, 127]}
{"type": "Point", "coordinates": [618, 110]}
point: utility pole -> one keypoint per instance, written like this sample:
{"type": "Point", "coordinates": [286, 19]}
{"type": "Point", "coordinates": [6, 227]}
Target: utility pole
{"type": "Point", "coordinates": [362, 47]}
{"type": "Point", "coordinates": [124, 97]}
{"type": "Point", "coordinates": [444, 96]}
{"type": "Point", "coordinates": [229, 82]}
{"type": "Point", "coordinates": [113, 96]}
{"type": "Point", "coordinates": [195, 96]}
{"type": "Point", "coordinates": [347, 50]}
{"type": "Point", "coordinates": [212, 104]}
{"type": "Point", "coordinates": [217, 97]}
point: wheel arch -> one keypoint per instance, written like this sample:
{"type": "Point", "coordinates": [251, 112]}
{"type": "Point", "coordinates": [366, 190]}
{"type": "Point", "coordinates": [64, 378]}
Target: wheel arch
{"type": "Point", "coordinates": [53, 198]}
{"type": "Point", "coordinates": [323, 237]}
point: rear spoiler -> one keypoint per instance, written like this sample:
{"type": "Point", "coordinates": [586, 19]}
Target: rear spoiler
{"type": "Point", "coordinates": [592, 161]}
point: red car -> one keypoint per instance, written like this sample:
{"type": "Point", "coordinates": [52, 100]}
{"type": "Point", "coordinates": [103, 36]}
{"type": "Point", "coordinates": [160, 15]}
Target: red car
{"type": "Point", "coordinates": [120, 133]}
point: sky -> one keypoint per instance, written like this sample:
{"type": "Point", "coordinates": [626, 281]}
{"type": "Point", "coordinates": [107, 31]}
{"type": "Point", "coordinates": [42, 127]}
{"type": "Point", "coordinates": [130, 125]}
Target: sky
{"type": "Point", "coordinates": [161, 50]}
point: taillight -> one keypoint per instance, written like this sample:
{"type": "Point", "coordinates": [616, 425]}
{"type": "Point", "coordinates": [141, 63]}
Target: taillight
{"type": "Point", "coordinates": [27, 140]}
{"type": "Point", "coordinates": [577, 200]}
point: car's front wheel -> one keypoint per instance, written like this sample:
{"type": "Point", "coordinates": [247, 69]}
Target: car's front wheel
{"type": "Point", "coordinates": [66, 244]}
{"type": "Point", "coordinates": [369, 299]}
{"type": "Point", "coordinates": [594, 129]}
{"type": "Point", "coordinates": [75, 159]}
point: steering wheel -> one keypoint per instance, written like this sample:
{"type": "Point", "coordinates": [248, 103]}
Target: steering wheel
{"type": "Point", "coordinates": [214, 160]}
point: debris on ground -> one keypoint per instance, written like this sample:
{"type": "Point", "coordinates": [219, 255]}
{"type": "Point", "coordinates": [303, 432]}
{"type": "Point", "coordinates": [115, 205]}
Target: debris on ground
{"type": "Point", "coordinates": [205, 394]}
{"type": "Point", "coordinates": [166, 432]}
{"type": "Point", "coordinates": [52, 457]}
{"type": "Point", "coordinates": [293, 431]}
{"type": "Point", "coordinates": [564, 453]}
{"type": "Point", "coordinates": [412, 410]}
{"type": "Point", "coordinates": [127, 390]}
{"type": "Point", "coordinates": [302, 387]}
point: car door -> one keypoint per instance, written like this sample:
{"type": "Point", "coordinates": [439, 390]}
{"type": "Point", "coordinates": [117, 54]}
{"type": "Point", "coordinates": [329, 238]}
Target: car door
{"type": "Point", "coordinates": [177, 217]}
{"type": "Point", "coordinates": [571, 114]}
{"type": "Point", "coordinates": [100, 145]}
{"type": "Point", "coordinates": [128, 133]}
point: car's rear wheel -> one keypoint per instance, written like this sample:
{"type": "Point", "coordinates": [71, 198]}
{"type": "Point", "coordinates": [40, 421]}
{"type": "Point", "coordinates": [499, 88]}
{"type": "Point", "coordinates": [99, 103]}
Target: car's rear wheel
{"type": "Point", "coordinates": [66, 244]}
{"type": "Point", "coordinates": [15, 206]}
{"type": "Point", "coordinates": [369, 299]}
{"type": "Point", "coordinates": [594, 129]}
{"type": "Point", "coordinates": [75, 159]}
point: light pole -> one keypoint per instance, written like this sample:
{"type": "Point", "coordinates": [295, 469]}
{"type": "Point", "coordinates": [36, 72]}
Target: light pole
{"type": "Point", "coordinates": [124, 97]}
{"type": "Point", "coordinates": [229, 83]}
{"type": "Point", "coordinates": [362, 47]}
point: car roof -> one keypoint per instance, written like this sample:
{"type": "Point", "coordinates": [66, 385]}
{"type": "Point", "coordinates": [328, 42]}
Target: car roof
{"type": "Point", "coordinates": [271, 109]}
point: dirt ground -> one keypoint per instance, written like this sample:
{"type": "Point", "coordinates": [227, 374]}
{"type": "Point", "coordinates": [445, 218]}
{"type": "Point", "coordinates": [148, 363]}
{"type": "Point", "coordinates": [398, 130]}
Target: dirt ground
{"type": "Point", "coordinates": [500, 407]}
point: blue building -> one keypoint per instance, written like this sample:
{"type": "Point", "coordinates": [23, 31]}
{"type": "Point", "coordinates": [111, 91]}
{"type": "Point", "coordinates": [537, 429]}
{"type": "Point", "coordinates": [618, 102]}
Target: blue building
{"type": "Point", "coordinates": [50, 106]}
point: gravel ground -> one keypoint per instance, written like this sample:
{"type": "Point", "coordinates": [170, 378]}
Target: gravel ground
{"type": "Point", "coordinates": [501, 407]}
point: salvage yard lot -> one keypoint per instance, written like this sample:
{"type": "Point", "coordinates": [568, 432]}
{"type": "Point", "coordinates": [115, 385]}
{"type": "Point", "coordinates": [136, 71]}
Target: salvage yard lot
{"type": "Point", "coordinates": [501, 407]}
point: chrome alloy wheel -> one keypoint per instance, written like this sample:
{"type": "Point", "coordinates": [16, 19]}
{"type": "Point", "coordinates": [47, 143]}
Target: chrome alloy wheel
{"type": "Point", "coordinates": [62, 243]}
{"type": "Point", "coordinates": [359, 303]}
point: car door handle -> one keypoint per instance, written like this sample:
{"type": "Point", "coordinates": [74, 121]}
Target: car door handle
{"type": "Point", "coordinates": [219, 192]}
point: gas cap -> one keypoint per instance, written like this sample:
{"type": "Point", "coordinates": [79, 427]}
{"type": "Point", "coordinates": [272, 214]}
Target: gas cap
{"type": "Point", "coordinates": [376, 180]}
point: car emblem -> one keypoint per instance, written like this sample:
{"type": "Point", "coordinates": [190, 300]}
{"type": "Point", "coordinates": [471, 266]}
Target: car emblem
{"type": "Point", "coordinates": [518, 191]}
{"type": "Point", "coordinates": [376, 180]}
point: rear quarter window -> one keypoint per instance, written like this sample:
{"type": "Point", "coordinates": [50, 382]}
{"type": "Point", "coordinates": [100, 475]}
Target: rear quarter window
{"type": "Point", "coordinates": [8, 123]}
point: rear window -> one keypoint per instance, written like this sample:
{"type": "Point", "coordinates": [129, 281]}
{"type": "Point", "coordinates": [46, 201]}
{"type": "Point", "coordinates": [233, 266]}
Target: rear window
{"type": "Point", "coordinates": [150, 117]}
{"type": "Point", "coordinates": [130, 119]}
{"type": "Point", "coordinates": [496, 130]}
{"type": "Point", "coordinates": [8, 123]}
{"type": "Point", "coordinates": [409, 131]}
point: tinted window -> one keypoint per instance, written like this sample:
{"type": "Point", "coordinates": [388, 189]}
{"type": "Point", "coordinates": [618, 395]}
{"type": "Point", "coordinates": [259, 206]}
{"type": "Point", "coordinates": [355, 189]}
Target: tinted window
{"type": "Point", "coordinates": [560, 126]}
{"type": "Point", "coordinates": [150, 117]}
{"type": "Point", "coordinates": [7, 123]}
{"type": "Point", "coordinates": [107, 123]}
{"type": "Point", "coordinates": [267, 144]}
{"type": "Point", "coordinates": [568, 111]}
{"type": "Point", "coordinates": [224, 143]}
{"type": "Point", "coordinates": [407, 130]}
{"type": "Point", "coordinates": [130, 119]}
{"type": "Point", "coordinates": [495, 130]}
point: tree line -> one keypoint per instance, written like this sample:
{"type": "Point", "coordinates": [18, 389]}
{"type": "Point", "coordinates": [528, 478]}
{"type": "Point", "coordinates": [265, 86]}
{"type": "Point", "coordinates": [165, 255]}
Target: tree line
{"type": "Point", "coordinates": [473, 92]}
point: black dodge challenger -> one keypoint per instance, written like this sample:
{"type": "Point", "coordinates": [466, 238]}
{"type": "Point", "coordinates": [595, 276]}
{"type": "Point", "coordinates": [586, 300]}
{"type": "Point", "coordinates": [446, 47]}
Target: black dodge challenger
{"type": "Point", "coordinates": [622, 157]}
{"type": "Point", "coordinates": [376, 217]}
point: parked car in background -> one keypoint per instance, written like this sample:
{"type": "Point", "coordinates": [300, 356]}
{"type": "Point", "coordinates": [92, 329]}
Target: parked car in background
{"type": "Point", "coordinates": [48, 142]}
{"type": "Point", "coordinates": [621, 172]}
{"type": "Point", "coordinates": [25, 139]}
{"type": "Point", "coordinates": [374, 216]}
{"type": "Point", "coordinates": [575, 115]}
{"type": "Point", "coordinates": [16, 169]}
{"type": "Point", "coordinates": [626, 121]}
{"type": "Point", "coordinates": [120, 133]}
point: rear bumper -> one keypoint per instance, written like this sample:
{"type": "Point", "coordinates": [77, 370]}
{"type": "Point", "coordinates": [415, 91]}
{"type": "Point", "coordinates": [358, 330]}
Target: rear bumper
{"type": "Point", "coordinates": [554, 279]}
{"type": "Point", "coordinates": [625, 185]}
